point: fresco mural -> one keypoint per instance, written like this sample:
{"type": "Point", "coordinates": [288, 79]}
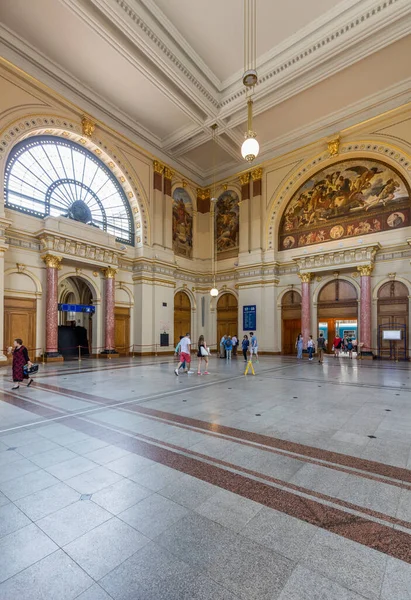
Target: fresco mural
{"type": "Point", "coordinates": [352, 197]}
{"type": "Point", "coordinates": [227, 222]}
{"type": "Point", "coordinates": [182, 223]}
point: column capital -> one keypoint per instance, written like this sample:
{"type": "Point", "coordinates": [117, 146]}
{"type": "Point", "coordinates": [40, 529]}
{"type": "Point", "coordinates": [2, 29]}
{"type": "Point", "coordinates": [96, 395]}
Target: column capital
{"type": "Point", "coordinates": [109, 272]}
{"type": "Point", "coordinates": [365, 270]}
{"type": "Point", "coordinates": [168, 173]}
{"type": "Point", "coordinates": [257, 174]}
{"type": "Point", "coordinates": [244, 178]}
{"type": "Point", "coordinates": [305, 277]}
{"type": "Point", "coordinates": [158, 167]}
{"type": "Point", "coordinates": [53, 262]}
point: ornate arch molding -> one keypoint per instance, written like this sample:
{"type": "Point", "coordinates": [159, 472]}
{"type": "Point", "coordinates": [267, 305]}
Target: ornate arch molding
{"type": "Point", "coordinates": [379, 285]}
{"type": "Point", "coordinates": [122, 286]}
{"type": "Point", "coordinates": [91, 284]}
{"type": "Point", "coordinates": [214, 301]}
{"type": "Point", "coordinates": [289, 288]}
{"type": "Point", "coordinates": [190, 294]}
{"type": "Point", "coordinates": [22, 270]}
{"type": "Point", "coordinates": [65, 128]}
{"type": "Point", "coordinates": [371, 149]}
{"type": "Point", "coordinates": [326, 280]}
{"type": "Point", "coordinates": [188, 189]}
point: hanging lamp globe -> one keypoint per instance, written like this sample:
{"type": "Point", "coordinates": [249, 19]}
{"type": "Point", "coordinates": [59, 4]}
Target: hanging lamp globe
{"type": "Point", "coordinates": [214, 292]}
{"type": "Point", "coordinates": [250, 147]}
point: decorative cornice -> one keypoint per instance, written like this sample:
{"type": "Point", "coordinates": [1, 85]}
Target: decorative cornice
{"type": "Point", "coordinates": [52, 262]}
{"type": "Point", "coordinates": [344, 259]}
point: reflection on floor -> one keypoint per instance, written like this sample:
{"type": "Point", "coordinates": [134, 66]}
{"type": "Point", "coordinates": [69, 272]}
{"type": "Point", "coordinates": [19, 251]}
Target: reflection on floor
{"type": "Point", "coordinates": [120, 480]}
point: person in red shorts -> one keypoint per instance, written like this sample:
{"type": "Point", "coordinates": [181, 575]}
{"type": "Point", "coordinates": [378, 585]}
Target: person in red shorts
{"type": "Point", "coordinates": [185, 354]}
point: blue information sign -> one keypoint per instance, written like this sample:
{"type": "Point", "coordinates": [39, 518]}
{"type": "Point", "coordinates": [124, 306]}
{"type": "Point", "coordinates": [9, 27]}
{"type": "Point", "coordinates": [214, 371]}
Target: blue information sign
{"type": "Point", "coordinates": [250, 317]}
{"type": "Point", "coordinates": [82, 308]}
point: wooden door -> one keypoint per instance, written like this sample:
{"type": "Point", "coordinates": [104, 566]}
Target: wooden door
{"type": "Point", "coordinates": [227, 317]}
{"type": "Point", "coordinates": [20, 322]}
{"type": "Point", "coordinates": [182, 316]}
{"type": "Point", "coordinates": [122, 330]}
{"type": "Point", "coordinates": [291, 329]}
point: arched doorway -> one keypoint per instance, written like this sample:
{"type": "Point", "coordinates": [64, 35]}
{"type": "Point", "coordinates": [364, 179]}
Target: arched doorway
{"type": "Point", "coordinates": [393, 314]}
{"type": "Point", "coordinates": [291, 320]}
{"type": "Point", "coordinates": [75, 328]}
{"type": "Point", "coordinates": [182, 315]}
{"type": "Point", "coordinates": [337, 310]}
{"type": "Point", "coordinates": [227, 316]}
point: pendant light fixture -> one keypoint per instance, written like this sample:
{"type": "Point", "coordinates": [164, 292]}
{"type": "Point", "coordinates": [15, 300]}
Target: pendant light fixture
{"type": "Point", "coordinates": [250, 147]}
{"type": "Point", "coordinates": [214, 289]}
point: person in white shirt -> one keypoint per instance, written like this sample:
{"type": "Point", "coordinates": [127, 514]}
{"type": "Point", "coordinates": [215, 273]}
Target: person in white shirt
{"type": "Point", "coordinates": [185, 353]}
{"type": "Point", "coordinates": [234, 339]}
{"type": "Point", "coordinates": [253, 346]}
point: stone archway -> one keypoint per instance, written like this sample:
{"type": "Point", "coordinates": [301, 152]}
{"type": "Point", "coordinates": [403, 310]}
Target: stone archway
{"type": "Point", "coordinates": [337, 310]}
{"type": "Point", "coordinates": [227, 316]}
{"type": "Point", "coordinates": [76, 328]}
{"type": "Point", "coordinates": [182, 315]}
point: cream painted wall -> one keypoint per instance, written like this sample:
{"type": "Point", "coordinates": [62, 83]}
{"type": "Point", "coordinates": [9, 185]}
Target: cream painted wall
{"type": "Point", "coordinates": [149, 276]}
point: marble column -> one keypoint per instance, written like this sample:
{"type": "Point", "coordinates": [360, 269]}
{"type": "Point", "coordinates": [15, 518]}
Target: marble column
{"type": "Point", "coordinates": [109, 303]}
{"type": "Point", "coordinates": [365, 309]}
{"type": "Point", "coordinates": [306, 307]}
{"type": "Point", "coordinates": [52, 268]}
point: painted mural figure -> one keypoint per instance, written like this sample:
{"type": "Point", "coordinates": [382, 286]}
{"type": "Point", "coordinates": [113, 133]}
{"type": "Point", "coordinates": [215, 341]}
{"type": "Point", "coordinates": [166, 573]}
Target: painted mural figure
{"type": "Point", "coordinates": [227, 222]}
{"type": "Point", "coordinates": [182, 223]}
{"type": "Point", "coordinates": [336, 202]}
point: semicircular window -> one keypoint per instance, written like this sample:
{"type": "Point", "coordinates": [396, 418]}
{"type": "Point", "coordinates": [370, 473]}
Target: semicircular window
{"type": "Point", "coordinates": [47, 176]}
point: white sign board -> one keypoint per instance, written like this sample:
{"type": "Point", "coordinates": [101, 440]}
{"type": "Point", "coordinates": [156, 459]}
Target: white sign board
{"type": "Point", "coordinates": [391, 335]}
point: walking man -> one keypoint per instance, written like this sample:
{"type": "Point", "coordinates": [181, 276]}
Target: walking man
{"type": "Point", "coordinates": [253, 346]}
{"type": "Point", "coordinates": [321, 344]}
{"type": "Point", "coordinates": [185, 354]}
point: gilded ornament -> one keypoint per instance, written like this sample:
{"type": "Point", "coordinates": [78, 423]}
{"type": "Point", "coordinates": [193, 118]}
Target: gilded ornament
{"type": "Point", "coordinates": [168, 173]}
{"type": "Point", "coordinates": [109, 273]}
{"type": "Point", "coordinates": [53, 262]}
{"type": "Point", "coordinates": [87, 126]}
{"type": "Point", "coordinates": [98, 151]}
{"type": "Point", "coordinates": [130, 194]}
{"type": "Point", "coordinates": [158, 167]}
{"type": "Point", "coordinates": [184, 183]}
{"type": "Point", "coordinates": [225, 187]}
{"type": "Point", "coordinates": [83, 141]}
{"type": "Point", "coordinates": [392, 275]}
{"type": "Point", "coordinates": [203, 193]}
{"type": "Point", "coordinates": [365, 270]}
{"type": "Point", "coordinates": [122, 179]}
{"type": "Point", "coordinates": [20, 267]}
{"type": "Point", "coordinates": [245, 178]}
{"type": "Point", "coordinates": [111, 165]}
{"type": "Point", "coordinates": [257, 174]}
{"type": "Point", "coordinates": [95, 273]}
{"type": "Point", "coordinates": [334, 147]}
{"type": "Point", "coordinates": [305, 277]}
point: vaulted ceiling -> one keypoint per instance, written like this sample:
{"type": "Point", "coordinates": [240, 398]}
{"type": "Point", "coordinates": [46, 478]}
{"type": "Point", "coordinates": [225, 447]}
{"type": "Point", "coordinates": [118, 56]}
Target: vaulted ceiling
{"type": "Point", "coordinates": [162, 72]}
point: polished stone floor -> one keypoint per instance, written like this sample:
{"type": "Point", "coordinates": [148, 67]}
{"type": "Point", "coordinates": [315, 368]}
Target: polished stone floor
{"type": "Point", "coordinates": [120, 480]}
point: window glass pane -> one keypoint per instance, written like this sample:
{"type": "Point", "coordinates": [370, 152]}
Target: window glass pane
{"type": "Point", "coordinates": [49, 176]}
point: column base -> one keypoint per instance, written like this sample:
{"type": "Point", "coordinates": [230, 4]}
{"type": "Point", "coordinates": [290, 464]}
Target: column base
{"type": "Point", "coordinates": [365, 355]}
{"type": "Point", "coordinates": [3, 357]}
{"type": "Point", "coordinates": [108, 354]}
{"type": "Point", "coordinates": [53, 357]}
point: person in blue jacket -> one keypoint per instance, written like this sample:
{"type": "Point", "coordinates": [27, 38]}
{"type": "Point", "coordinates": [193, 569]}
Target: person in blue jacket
{"type": "Point", "coordinates": [244, 345]}
{"type": "Point", "coordinates": [228, 347]}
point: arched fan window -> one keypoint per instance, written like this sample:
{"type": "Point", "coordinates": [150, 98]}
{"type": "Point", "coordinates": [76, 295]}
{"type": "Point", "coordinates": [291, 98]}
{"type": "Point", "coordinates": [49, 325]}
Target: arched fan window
{"type": "Point", "coordinates": [49, 176]}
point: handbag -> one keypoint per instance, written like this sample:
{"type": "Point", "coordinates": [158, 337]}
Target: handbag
{"type": "Point", "coordinates": [30, 370]}
{"type": "Point", "coordinates": [203, 351]}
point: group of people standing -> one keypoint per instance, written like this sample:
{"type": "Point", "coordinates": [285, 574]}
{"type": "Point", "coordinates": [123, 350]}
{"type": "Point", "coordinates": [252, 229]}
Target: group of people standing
{"type": "Point", "coordinates": [229, 346]}
{"type": "Point", "coordinates": [346, 344]}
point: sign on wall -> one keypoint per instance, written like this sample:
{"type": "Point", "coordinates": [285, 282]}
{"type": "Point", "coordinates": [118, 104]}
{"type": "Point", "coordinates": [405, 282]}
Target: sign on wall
{"type": "Point", "coordinates": [250, 317]}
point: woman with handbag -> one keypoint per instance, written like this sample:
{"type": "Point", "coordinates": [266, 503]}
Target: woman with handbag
{"type": "Point", "coordinates": [202, 354]}
{"type": "Point", "coordinates": [20, 359]}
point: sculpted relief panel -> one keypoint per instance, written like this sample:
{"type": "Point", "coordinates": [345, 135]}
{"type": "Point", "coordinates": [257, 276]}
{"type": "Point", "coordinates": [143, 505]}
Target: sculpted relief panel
{"type": "Point", "coordinates": [349, 198]}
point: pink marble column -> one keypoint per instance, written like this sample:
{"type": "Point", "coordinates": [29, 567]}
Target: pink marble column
{"type": "Point", "coordinates": [52, 268]}
{"type": "Point", "coordinates": [365, 309]}
{"type": "Point", "coordinates": [305, 306]}
{"type": "Point", "coordinates": [109, 303]}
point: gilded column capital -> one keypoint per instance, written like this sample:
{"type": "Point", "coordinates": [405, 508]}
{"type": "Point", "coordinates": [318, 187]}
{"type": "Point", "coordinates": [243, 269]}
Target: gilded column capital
{"type": "Point", "coordinates": [365, 270]}
{"type": "Point", "coordinates": [53, 262]}
{"type": "Point", "coordinates": [245, 178]}
{"type": "Point", "coordinates": [109, 272]}
{"type": "Point", "coordinates": [203, 193]}
{"type": "Point", "coordinates": [158, 167]}
{"type": "Point", "coordinates": [257, 174]}
{"type": "Point", "coordinates": [305, 277]}
{"type": "Point", "coordinates": [168, 173]}
{"type": "Point", "coordinates": [87, 126]}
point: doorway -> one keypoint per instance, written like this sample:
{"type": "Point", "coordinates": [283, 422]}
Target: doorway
{"type": "Point", "coordinates": [291, 320]}
{"type": "Point", "coordinates": [122, 330]}
{"type": "Point", "coordinates": [393, 309]}
{"type": "Point", "coordinates": [337, 310]}
{"type": "Point", "coordinates": [20, 322]}
{"type": "Point", "coordinates": [227, 316]}
{"type": "Point", "coordinates": [75, 328]}
{"type": "Point", "coordinates": [182, 316]}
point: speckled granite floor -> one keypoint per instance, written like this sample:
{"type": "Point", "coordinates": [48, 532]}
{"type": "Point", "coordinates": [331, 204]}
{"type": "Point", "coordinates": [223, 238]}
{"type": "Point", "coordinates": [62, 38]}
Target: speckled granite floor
{"type": "Point", "coordinates": [120, 480]}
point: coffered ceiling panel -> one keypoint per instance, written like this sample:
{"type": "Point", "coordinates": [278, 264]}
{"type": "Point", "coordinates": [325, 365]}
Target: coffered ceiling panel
{"type": "Point", "coordinates": [208, 155]}
{"type": "Point", "coordinates": [214, 28]}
